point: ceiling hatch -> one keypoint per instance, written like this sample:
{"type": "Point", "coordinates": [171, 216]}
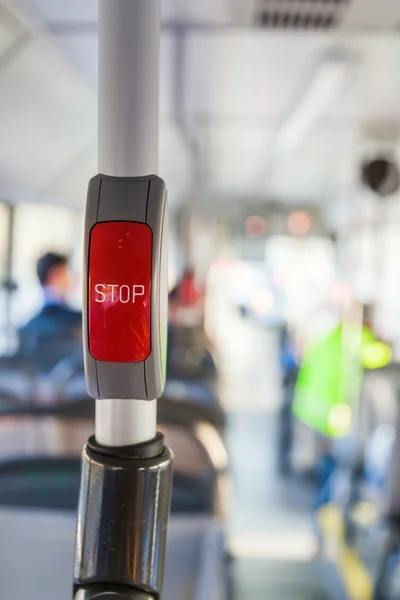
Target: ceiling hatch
{"type": "Point", "coordinates": [299, 14]}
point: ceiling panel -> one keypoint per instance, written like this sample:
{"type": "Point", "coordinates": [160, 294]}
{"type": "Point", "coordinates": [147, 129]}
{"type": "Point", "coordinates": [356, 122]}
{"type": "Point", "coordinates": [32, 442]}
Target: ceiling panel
{"type": "Point", "coordinates": [10, 29]}
{"type": "Point", "coordinates": [374, 86]}
{"type": "Point", "coordinates": [240, 73]}
{"type": "Point", "coordinates": [175, 163]}
{"type": "Point", "coordinates": [58, 11]}
{"type": "Point", "coordinates": [81, 11]}
{"type": "Point", "coordinates": [239, 85]}
{"type": "Point", "coordinates": [246, 161]}
{"type": "Point", "coordinates": [372, 13]}
{"type": "Point", "coordinates": [322, 164]}
{"type": "Point", "coordinates": [243, 74]}
{"type": "Point", "coordinates": [309, 177]}
{"type": "Point", "coordinates": [236, 158]}
{"type": "Point", "coordinates": [246, 72]}
{"type": "Point", "coordinates": [204, 11]}
{"type": "Point", "coordinates": [83, 48]}
{"type": "Point", "coordinates": [6, 37]}
{"type": "Point", "coordinates": [39, 118]}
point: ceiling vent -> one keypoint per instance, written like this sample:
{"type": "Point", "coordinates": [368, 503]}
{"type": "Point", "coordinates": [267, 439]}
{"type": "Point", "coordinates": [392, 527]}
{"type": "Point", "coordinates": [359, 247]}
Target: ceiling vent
{"type": "Point", "coordinates": [299, 14]}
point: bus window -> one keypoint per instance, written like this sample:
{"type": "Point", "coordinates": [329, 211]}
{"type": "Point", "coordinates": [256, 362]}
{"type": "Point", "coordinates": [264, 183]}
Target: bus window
{"type": "Point", "coordinates": [38, 229]}
{"type": "Point", "coordinates": [5, 216]}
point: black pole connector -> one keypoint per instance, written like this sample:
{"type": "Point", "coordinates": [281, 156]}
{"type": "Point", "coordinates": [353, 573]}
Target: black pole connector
{"type": "Point", "coordinates": [123, 514]}
{"type": "Point", "coordinates": [105, 592]}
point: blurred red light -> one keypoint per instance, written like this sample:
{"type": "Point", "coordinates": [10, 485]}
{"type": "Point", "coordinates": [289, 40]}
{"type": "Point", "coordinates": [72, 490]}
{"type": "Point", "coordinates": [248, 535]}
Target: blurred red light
{"type": "Point", "coordinates": [262, 302]}
{"type": "Point", "coordinates": [339, 292]}
{"type": "Point", "coordinates": [280, 279]}
{"type": "Point", "coordinates": [255, 226]}
{"type": "Point", "coordinates": [299, 223]}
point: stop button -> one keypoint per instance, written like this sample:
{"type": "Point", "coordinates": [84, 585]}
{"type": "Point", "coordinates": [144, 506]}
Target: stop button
{"type": "Point", "coordinates": [125, 298]}
{"type": "Point", "coordinates": [120, 267]}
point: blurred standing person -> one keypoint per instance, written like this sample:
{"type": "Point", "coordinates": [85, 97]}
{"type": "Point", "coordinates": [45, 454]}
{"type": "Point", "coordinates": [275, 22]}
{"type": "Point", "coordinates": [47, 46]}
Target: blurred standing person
{"type": "Point", "coordinates": [328, 382]}
{"type": "Point", "coordinates": [289, 369]}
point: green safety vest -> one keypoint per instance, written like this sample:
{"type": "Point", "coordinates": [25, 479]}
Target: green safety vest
{"type": "Point", "coordinates": [330, 377]}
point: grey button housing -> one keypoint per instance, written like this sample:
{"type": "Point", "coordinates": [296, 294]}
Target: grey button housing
{"type": "Point", "coordinates": [140, 200]}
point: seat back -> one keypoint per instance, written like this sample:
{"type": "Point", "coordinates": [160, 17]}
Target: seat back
{"type": "Point", "coordinates": [379, 424]}
{"type": "Point", "coordinates": [188, 355]}
{"type": "Point", "coordinates": [49, 483]}
{"type": "Point", "coordinates": [199, 396]}
{"type": "Point", "coordinates": [202, 429]}
{"type": "Point", "coordinates": [18, 379]}
{"type": "Point", "coordinates": [34, 441]}
{"type": "Point", "coordinates": [49, 350]}
{"type": "Point", "coordinates": [44, 544]}
{"type": "Point", "coordinates": [67, 379]}
{"type": "Point", "coordinates": [378, 404]}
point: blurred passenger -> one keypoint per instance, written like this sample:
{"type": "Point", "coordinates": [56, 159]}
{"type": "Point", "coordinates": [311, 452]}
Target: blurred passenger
{"type": "Point", "coordinates": [175, 320]}
{"type": "Point", "coordinates": [186, 302]}
{"type": "Point", "coordinates": [190, 299]}
{"type": "Point", "coordinates": [190, 292]}
{"type": "Point", "coordinates": [289, 369]}
{"type": "Point", "coordinates": [173, 305]}
{"type": "Point", "coordinates": [329, 382]}
{"type": "Point", "coordinates": [288, 356]}
{"type": "Point", "coordinates": [56, 331]}
{"type": "Point", "coordinates": [188, 345]}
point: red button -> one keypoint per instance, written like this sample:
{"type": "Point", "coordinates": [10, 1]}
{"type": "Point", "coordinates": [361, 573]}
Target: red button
{"type": "Point", "coordinates": [120, 291]}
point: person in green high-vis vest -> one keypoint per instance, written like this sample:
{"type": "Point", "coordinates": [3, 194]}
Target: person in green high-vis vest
{"type": "Point", "coordinates": [330, 376]}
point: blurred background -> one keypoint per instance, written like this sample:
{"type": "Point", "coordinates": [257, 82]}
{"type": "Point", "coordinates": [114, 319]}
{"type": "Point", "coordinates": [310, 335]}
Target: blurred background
{"type": "Point", "coordinates": [280, 124]}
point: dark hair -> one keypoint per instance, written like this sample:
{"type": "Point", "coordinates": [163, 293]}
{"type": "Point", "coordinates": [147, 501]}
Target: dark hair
{"type": "Point", "coordinates": [46, 263]}
{"type": "Point", "coordinates": [368, 313]}
{"type": "Point", "coordinates": [174, 293]}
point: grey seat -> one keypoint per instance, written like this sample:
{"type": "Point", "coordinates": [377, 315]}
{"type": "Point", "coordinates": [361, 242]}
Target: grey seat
{"type": "Point", "coordinates": [35, 440]}
{"type": "Point", "coordinates": [18, 379]}
{"type": "Point", "coordinates": [37, 550]}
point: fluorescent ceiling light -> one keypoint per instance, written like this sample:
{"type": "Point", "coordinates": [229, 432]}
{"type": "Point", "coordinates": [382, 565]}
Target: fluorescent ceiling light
{"type": "Point", "coordinates": [325, 87]}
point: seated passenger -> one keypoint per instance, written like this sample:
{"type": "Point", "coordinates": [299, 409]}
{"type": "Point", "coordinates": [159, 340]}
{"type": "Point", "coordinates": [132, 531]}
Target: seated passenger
{"type": "Point", "coordinates": [56, 331]}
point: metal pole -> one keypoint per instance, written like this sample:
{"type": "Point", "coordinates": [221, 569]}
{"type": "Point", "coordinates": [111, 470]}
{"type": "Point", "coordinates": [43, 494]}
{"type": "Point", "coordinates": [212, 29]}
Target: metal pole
{"type": "Point", "coordinates": [124, 422]}
{"type": "Point", "coordinates": [129, 49]}
{"type": "Point", "coordinates": [126, 475]}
